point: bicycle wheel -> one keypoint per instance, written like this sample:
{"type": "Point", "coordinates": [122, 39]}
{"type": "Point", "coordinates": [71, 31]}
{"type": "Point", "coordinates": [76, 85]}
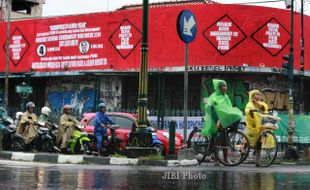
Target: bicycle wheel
{"type": "Point", "coordinates": [200, 145]}
{"type": "Point", "coordinates": [266, 148]}
{"type": "Point", "coordinates": [231, 148]}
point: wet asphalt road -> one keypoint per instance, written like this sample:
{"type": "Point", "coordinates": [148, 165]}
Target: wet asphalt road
{"type": "Point", "coordinates": [27, 175]}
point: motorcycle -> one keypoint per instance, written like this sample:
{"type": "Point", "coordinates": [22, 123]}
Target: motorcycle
{"type": "Point", "coordinates": [79, 143]}
{"type": "Point", "coordinates": [11, 139]}
{"type": "Point", "coordinates": [157, 144]}
{"type": "Point", "coordinates": [53, 130]}
{"type": "Point", "coordinates": [110, 144]}
{"type": "Point", "coordinates": [43, 141]}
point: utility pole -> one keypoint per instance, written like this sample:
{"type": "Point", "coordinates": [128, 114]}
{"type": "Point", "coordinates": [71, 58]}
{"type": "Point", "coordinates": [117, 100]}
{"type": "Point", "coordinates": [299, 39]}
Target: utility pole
{"type": "Point", "coordinates": [291, 153]}
{"type": "Point", "coordinates": [7, 50]}
{"type": "Point", "coordinates": [302, 61]}
{"type": "Point", "coordinates": [302, 40]}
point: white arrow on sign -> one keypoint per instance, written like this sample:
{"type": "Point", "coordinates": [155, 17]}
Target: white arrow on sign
{"type": "Point", "coordinates": [188, 25]}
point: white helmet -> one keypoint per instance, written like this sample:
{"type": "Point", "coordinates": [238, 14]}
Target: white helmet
{"type": "Point", "coordinates": [46, 111]}
{"type": "Point", "coordinates": [18, 115]}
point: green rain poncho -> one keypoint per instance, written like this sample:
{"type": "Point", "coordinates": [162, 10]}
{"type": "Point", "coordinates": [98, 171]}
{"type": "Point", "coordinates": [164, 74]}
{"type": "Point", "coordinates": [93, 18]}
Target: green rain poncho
{"type": "Point", "coordinates": [222, 111]}
{"type": "Point", "coordinates": [3, 115]}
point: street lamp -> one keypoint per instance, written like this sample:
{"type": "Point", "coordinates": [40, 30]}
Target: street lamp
{"type": "Point", "coordinates": [7, 50]}
{"type": "Point", "coordinates": [140, 141]}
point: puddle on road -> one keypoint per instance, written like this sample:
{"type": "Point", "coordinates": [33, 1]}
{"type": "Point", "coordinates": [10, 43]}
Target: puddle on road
{"type": "Point", "coordinates": [60, 178]}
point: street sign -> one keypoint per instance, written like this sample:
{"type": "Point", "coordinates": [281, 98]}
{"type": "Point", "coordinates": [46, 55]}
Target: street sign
{"type": "Point", "coordinates": [187, 26]}
{"type": "Point", "coordinates": [187, 30]}
{"type": "Point", "coordinates": [23, 89]}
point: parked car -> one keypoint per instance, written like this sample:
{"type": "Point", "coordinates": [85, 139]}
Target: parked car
{"type": "Point", "coordinates": [126, 122]}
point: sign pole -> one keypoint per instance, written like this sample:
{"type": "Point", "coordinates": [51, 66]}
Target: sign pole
{"type": "Point", "coordinates": [187, 30]}
{"type": "Point", "coordinates": [185, 93]}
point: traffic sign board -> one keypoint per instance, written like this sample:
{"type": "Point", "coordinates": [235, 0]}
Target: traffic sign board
{"type": "Point", "coordinates": [187, 26]}
{"type": "Point", "coordinates": [23, 89]}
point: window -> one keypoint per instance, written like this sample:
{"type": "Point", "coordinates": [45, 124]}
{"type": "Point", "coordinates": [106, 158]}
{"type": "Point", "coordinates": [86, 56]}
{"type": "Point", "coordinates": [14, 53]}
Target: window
{"type": "Point", "coordinates": [124, 122]}
{"type": "Point", "coordinates": [23, 7]}
{"type": "Point", "coordinates": [91, 122]}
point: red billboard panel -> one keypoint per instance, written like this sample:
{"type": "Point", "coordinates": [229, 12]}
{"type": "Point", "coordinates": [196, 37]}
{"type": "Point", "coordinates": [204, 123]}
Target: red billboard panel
{"type": "Point", "coordinates": [224, 34]}
{"type": "Point", "coordinates": [272, 36]}
{"type": "Point", "coordinates": [125, 38]}
{"type": "Point", "coordinates": [228, 36]}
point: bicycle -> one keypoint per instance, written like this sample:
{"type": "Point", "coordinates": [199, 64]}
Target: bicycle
{"type": "Point", "coordinates": [266, 146]}
{"type": "Point", "coordinates": [229, 146]}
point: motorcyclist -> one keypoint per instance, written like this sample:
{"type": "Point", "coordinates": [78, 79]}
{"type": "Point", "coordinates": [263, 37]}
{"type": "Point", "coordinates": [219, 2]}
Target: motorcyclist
{"type": "Point", "coordinates": [3, 115]}
{"type": "Point", "coordinates": [27, 125]}
{"type": "Point", "coordinates": [18, 116]}
{"type": "Point", "coordinates": [44, 116]}
{"type": "Point", "coordinates": [67, 126]}
{"type": "Point", "coordinates": [100, 123]}
{"type": "Point", "coordinates": [150, 125]}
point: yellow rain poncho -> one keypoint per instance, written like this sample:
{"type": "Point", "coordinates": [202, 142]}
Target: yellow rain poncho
{"type": "Point", "coordinates": [219, 108]}
{"type": "Point", "coordinates": [253, 121]}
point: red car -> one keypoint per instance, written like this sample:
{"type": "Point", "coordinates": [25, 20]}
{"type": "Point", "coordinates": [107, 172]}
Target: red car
{"type": "Point", "coordinates": [126, 122]}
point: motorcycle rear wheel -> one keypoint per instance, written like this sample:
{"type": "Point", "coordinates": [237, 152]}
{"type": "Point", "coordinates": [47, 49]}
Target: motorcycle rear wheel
{"type": "Point", "coordinates": [121, 148]}
{"type": "Point", "coordinates": [84, 148]}
{"type": "Point", "coordinates": [47, 146]}
{"type": "Point", "coordinates": [18, 144]}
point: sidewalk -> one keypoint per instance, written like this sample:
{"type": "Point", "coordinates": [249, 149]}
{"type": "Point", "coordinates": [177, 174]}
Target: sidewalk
{"type": "Point", "coordinates": [82, 159]}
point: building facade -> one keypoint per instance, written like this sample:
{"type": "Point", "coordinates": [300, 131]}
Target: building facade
{"type": "Point", "coordinates": [22, 9]}
{"type": "Point", "coordinates": [85, 59]}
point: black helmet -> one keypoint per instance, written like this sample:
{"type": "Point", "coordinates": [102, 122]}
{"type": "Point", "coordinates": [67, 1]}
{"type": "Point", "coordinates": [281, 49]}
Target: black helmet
{"type": "Point", "coordinates": [30, 105]}
{"type": "Point", "coordinates": [101, 105]}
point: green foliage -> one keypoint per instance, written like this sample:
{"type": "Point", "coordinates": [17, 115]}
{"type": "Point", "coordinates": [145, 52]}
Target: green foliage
{"type": "Point", "coordinates": [152, 157]}
{"type": "Point", "coordinates": [118, 156]}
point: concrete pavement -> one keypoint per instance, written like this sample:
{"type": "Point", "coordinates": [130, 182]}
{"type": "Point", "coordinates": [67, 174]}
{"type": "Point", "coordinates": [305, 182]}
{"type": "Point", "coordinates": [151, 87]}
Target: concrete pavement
{"type": "Point", "coordinates": [83, 159]}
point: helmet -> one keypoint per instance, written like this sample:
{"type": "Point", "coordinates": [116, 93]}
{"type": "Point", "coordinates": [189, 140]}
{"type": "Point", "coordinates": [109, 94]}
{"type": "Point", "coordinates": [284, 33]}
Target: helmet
{"type": "Point", "coordinates": [101, 105]}
{"type": "Point", "coordinates": [30, 105]}
{"type": "Point", "coordinates": [46, 111]}
{"type": "Point", "coordinates": [18, 115]}
{"type": "Point", "coordinates": [66, 108]}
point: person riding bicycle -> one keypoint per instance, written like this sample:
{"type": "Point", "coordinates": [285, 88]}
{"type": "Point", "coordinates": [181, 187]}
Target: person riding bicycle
{"type": "Point", "coordinates": [219, 110]}
{"type": "Point", "coordinates": [257, 117]}
{"type": "Point", "coordinates": [27, 125]}
{"type": "Point", "coordinates": [101, 122]}
{"type": "Point", "coordinates": [66, 127]}
{"type": "Point", "coordinates": [219, 113]}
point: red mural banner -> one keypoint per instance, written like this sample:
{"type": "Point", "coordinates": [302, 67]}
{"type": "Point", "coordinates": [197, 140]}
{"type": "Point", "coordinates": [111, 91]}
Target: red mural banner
{"type": "Point", "coordinates": [228, 35]}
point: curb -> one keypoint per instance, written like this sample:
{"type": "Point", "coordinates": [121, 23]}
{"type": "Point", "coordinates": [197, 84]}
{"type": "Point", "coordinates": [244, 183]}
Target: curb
{"type": "Point", "coordinates": [80, 159]}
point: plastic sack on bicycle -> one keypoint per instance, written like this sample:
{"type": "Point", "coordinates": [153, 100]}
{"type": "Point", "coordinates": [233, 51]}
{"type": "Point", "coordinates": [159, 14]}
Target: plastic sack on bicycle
{"type": "Point", "coordinates": [254, 119]}
{"type": "Point", "coordinates": [219, 107]}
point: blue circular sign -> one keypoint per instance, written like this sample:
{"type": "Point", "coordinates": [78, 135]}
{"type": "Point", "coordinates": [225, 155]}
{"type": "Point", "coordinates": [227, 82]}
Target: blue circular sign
{"type": "Point", "coordinates": [187, 26]}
